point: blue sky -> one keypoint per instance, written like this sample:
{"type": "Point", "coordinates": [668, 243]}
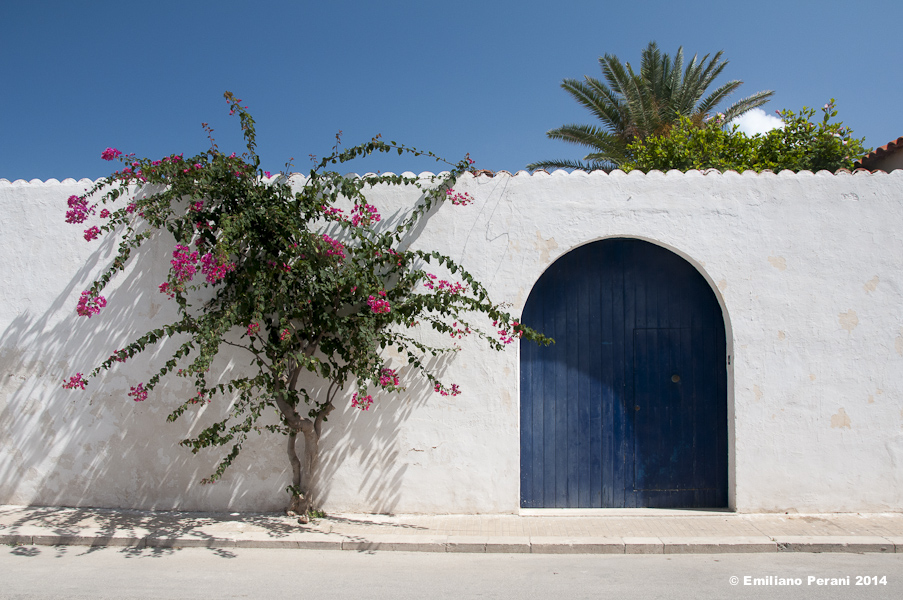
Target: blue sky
{"type": "Point", "coordinates": [451, 77]}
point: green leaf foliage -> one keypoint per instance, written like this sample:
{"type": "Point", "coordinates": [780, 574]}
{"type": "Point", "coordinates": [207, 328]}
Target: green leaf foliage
{"type": "Point", "coordinates": [798, 145]}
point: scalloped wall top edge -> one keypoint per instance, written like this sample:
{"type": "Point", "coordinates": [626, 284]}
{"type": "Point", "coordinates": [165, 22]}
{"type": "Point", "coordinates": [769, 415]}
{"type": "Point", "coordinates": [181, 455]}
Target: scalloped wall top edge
{"type": "Point", "coordinates": [538, 173]}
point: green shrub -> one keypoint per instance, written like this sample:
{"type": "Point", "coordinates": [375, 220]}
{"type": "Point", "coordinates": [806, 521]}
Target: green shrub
{"type": "Point", "coordinates": [798, 145]}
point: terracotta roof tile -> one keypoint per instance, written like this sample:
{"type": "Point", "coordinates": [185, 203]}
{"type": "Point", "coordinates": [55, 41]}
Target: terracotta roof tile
{"type": "Point", "coordinates": [881, 152]}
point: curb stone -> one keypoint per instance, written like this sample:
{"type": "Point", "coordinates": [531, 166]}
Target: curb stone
{"type": "Point", "coordinates": [812, 543]}
{"type": "Point", "coordinates": [480, 544]}
{"type": "Point", "coordinates": [720, 545]}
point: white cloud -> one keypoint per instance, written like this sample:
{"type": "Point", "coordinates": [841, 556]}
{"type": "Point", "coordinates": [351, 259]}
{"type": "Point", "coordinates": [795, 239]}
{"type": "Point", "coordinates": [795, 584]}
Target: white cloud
{"type": "Point", "coordinates": [757, 121]}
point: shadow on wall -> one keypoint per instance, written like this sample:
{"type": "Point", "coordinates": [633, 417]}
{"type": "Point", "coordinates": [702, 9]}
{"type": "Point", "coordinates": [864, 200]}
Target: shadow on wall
{"type": "Point", "coordinates": [97, 447]}
{"type": "Point", "coordinates": [367, 446]}
{"type": "Point", "coordinates": [92, 447]}
{"type": "Point", "coordinates": [364, 446]}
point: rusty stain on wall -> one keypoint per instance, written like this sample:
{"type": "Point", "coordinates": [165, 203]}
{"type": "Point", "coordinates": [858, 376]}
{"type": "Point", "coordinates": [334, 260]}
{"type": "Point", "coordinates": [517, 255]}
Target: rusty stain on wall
{"type": "Point", "coordinates": [898, 343]}
{"type": "Point", "coordinates": [758, 392]}
{"type": "Point", "coordinates": [848, 320]}
{"type": "Point", "coordinates": [811, 376]}
{"type": "Point", "coordinates": [878, 392]}
{"type": "Point", "coordinates": [871, 285]}
{"type": "Point", "coordinates": [545, 246]}
{"type": "Point", "coordinates": [781, 335]}
{"type": "Point", "coordinates": [840, 420]}
{"type": "Point", "coordinates": [778, 262]}
{"type": "Point", "coordinates": [722, 285]}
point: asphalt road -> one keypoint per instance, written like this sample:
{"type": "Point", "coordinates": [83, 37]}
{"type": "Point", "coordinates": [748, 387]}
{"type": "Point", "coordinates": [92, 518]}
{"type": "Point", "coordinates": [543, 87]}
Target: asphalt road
{"type": "Point", "coordinates": [71, 572]}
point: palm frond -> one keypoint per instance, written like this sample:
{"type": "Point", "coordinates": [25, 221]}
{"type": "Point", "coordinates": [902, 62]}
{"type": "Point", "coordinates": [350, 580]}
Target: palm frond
{"type": "Point", "coordinates": [632, 105]}
{"type": "Point", "coordinates": [747, 104]}
{"type": "Point", "coordinates": [592, 137]}
{"type": "Point", "coordinates": [571, 164]}
{"type": "Point", "coordinates": [708, 104]}
{"type": "Point", "coordinates": [591, 95]}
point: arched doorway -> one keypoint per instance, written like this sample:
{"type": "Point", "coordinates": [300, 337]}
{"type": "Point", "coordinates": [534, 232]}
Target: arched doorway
{"type": "Point", "coordinates": [629, 407]}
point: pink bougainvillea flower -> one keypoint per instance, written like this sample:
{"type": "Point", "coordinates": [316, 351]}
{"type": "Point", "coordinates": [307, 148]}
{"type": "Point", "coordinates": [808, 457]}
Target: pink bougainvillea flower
{"type": "Point", "coordinates": [444, 285]}
{"type": "Point", "coordinates": [78, 209]}
{"type": "Point", "coordinates": [213, 269]}
{"type": "Point", "coordinates": [266, 174]}
{"type": "Point", "coordinates": [138, 393]}
{"type": "Point", "coordinates": [335, 247]}
{"type": "Point", "coordinates": [199, 399]}
{"type": "Point", "coordinates": [458, 199]}
{"type": "Point", "coordinates": [89, 304]}
{"type": "Point", "coordinates": [362, 402]}
{"type": "Point", "coordinates": [388, 378]}
{"type": "Point", "coordinates": [253, 328]}
{"type": "Point", "coordinates": [75, 381]}
{"type": "Point", "coordinates": [91, 233]}
{"type": "Point", "coordinates": [506, 336]}
{"type": "Point", "coordinates": [378, 305]}
{"type": "Point", "coordinates": [334, 212]}
{"type": "Point", "coordinates": [284, 335]}
{"type": "Point", "coordinates": [183, 263]}
{"type": "Point", "coordinates": [455, 390]}
{"type": "Point", "coordinates": [364, 214]}
{"type": "Point", "coordinates": [110, 154]}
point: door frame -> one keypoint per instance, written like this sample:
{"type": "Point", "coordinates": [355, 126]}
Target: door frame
{"type": "Point", "coordinates": [699, 266]}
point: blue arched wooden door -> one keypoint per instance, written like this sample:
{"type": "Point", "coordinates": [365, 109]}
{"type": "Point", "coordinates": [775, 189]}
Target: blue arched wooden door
{"type": "Point", "coordinates": [629, 407]}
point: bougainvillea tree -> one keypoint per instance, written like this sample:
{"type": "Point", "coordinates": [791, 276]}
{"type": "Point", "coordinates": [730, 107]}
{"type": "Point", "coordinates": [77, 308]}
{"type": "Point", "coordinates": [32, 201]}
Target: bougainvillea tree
{"type": "Point", "coordinates": [307, 284]}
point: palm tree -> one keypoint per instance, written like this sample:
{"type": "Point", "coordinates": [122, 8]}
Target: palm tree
{"type": "Point", "coordinates": [635, 105]}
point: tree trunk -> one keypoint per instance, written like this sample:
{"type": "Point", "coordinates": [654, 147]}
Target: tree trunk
{"type": "Point", "coordinates": [296, 506]}
{"type": "Point", "coordinates": [305, 473]}
{"type": "Point", "coordinates": [311, 464]}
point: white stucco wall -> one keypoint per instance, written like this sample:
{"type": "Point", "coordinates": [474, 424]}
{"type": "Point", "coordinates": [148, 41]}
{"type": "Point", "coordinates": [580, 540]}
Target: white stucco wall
{"type": "Point", "coordinates": [808, 267]}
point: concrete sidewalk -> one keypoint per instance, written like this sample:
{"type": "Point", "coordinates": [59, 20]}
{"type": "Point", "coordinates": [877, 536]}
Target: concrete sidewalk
{"type": "Point", "coordinates": [637, 531]}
